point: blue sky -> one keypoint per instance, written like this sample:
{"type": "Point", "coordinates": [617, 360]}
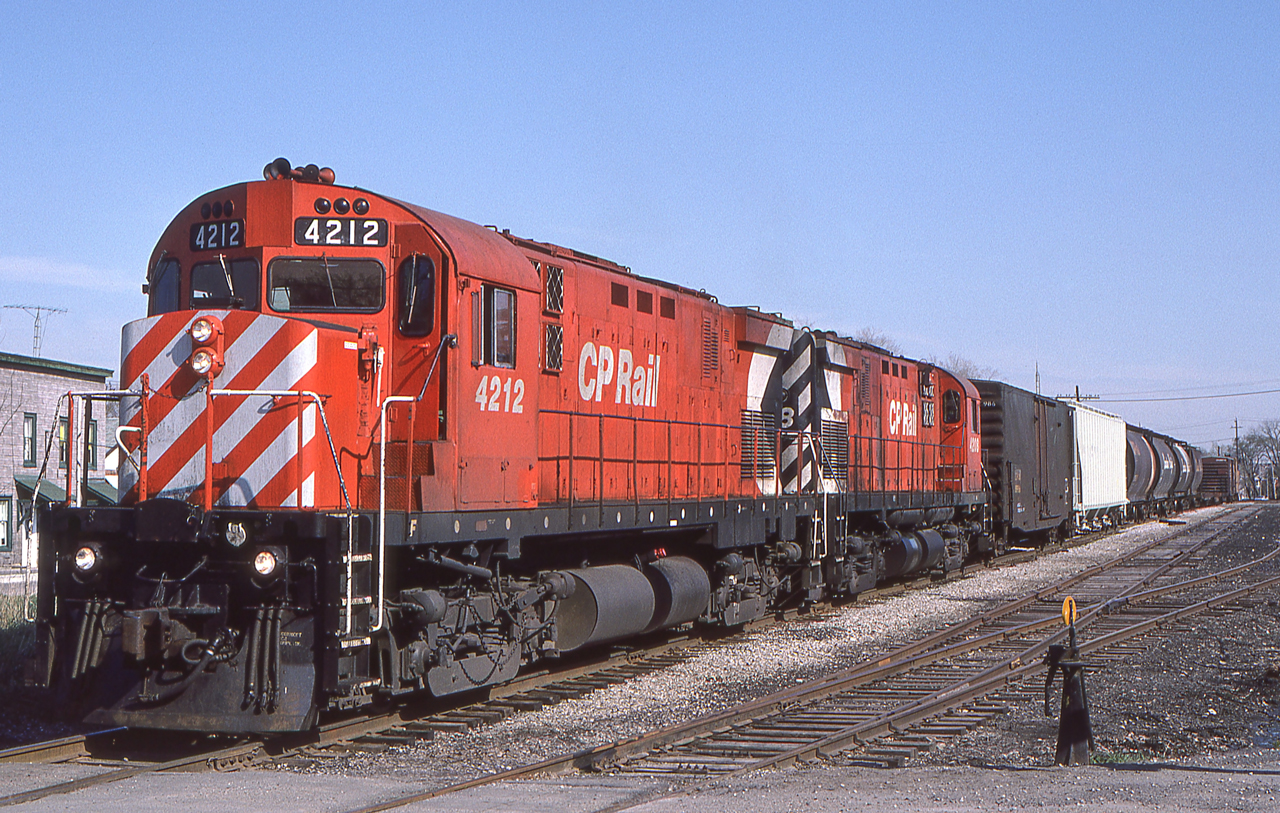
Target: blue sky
{"type": "Point", "coordinates": [1093, 188]}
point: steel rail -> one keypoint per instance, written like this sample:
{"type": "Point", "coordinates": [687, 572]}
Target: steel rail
{"type": "Point", "coordinates": [901, 660]}
{"type": "Point", "coordinates": [1012, 671]}
{"type": "Point", "coordinates": [117, 774]}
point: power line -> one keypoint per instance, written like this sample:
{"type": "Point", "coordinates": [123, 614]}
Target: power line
{"type": "Point", "coordinates": [1106, 400]}
{"type": "Point", "coordinates": [1196, 389]}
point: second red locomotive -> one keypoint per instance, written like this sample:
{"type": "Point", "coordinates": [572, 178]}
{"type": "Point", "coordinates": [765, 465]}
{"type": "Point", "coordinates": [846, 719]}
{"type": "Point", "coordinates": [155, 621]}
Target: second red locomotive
{"type": "Point", "coordinates": [375, 449]}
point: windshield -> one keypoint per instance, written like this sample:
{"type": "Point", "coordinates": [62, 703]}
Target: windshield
{"type": "Point", "coordinates": [323, 284]}
{"type": "Point", "coordinates": [225, 283]}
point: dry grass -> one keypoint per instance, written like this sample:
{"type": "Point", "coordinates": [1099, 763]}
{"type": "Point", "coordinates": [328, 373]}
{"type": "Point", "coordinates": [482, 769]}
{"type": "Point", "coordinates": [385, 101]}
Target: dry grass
{"type": "Point", "coordinates": [17, 637]}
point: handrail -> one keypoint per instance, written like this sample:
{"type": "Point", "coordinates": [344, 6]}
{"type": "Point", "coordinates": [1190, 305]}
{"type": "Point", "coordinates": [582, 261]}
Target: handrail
{"type": "Point", "coordinates": [933, 467]}
{"type": "Point", "coordinates": [450, 340]}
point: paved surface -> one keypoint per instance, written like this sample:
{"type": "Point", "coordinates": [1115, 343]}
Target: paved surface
{"type": "Point", "coordinates": [1245, 781]}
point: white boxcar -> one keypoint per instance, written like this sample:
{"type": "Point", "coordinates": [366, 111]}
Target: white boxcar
{"type": "Point", "coordinates": [1100, 483]}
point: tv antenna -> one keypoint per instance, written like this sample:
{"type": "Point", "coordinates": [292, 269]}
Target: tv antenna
{"type": "Point", "coordinates": [38, 313]}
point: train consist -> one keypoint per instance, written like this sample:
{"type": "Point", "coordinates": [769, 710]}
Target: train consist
{"type": "Point", "coordinates": [375, 450]}
{"type": "Point", "coordinates": [1057, 467]}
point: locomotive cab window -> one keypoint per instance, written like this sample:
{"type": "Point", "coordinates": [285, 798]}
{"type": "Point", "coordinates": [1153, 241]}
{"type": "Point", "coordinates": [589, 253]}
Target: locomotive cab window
{"type": "Point", "coordinates": [952, 407]}
{"type": "Point", "coordinates": [494, 327]}
{"type": "Point", "coordinates": [225, 284]}
{"type": "Point", "coordinates": [417, 287]}
{"type": "Point", "coordinates": [325, 284]}
{"type": "Point", "coordinates": [163, 289]}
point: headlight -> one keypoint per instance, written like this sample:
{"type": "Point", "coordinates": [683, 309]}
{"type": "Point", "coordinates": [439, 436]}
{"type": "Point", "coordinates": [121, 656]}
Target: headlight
{"type": "Point", "coordinates": [265, 563]}
{"type": "Point", "coordinates": [201, 330]}
{"type": "Point", "coordinates": [202, 361]}
{"type": "Point", "coordinates": [86, 559]}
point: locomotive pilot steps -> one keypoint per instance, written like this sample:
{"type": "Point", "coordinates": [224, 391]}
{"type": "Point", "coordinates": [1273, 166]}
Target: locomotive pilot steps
{"type": "Point", "coordinates": [373, 450]}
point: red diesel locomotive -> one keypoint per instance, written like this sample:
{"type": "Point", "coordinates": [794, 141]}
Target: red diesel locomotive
{"type": "Point", "coordinates": [374, 450]}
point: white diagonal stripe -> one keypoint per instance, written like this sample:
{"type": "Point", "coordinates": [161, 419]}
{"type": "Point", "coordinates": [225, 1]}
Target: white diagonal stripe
{"type": "Point", "coordinates": [797, 368]}
{"type": "Point", "coordinates": [285, 376]}
{"type": "Point", "coordinates": [278, 454]}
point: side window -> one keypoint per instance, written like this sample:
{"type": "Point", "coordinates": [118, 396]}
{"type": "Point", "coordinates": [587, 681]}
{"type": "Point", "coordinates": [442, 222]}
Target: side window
{"type": "Point", "coordinates": [952, 407]}
{"type": "Point", "coordinates": [417, 287]}
{"type": "Point", "coordinates": [497, 339]}
{"type": "Point", "coordinates": [225, 284]}
{"type": "Point", "coordinates": [163, 289]}
{"type": "Point", "coordinates": [973, 411]}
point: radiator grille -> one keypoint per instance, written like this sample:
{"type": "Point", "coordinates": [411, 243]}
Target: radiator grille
{"type": "Point", "coordinates": [710, 349]}
{"type": "Point", "coordinates": [759, 442]}
{"type": "Point", "coordinates": [555, 348]}
{"type": "Point", "coordinates": [835, 451]}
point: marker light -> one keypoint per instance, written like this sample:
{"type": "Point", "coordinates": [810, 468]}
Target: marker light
{"type": "Point", "coordinates": [265, 563]}
{"type": "Point", "coordinates": [235, 534]}
{"type": "Point", "coordinates": [86, 559]}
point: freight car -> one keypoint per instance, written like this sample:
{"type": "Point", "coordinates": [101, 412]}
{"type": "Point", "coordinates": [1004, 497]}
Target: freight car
{"type": "Point", "coordinates": [1220, 481]}
{"type": "Point", "coordinates": [1163, 474]}
{"type": "Point", "coordinates": [373, 450]}
{"type": "Point", "coordinates": [1098, 458]}
{"type": "Point", "coordinates": [1027, 451]}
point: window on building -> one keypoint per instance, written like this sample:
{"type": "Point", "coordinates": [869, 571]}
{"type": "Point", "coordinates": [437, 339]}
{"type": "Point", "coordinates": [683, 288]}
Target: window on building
{"type": "Point", "coordinates": [62, 443]}
{"type": "Point", "coordinates": [6, 523]}
{"type": "Point", "coordinates": [29, 440]}
{"type": "Point", "coordinates": [91, 446]}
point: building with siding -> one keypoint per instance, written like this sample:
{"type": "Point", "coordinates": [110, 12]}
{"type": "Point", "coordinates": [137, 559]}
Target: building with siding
{"type": "Point", "coordinates": [33, 439]}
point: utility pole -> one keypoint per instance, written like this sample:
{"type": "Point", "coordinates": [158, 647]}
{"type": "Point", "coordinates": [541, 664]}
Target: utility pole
{"type": "Point", "coordinates": [37, 312]}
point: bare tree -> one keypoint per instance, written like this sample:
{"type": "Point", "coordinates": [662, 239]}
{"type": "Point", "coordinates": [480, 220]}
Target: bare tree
{"type": "Point", "coordinates": [964, 367]}
{"type": "Point", "coordinates": [877, 337]}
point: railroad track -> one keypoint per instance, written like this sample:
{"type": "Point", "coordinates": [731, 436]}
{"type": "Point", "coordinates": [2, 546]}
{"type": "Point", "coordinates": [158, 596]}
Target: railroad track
{"type": "Point", "coordinates": [666, 751]}
{"type": "Point", "coordinates": [942, 685]}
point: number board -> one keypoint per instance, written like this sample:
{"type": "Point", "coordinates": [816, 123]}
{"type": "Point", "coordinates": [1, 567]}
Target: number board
{"type": "Point", "coordinates": [340, 231]}
{"type": "Point", "coordinates": [222, 234]}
